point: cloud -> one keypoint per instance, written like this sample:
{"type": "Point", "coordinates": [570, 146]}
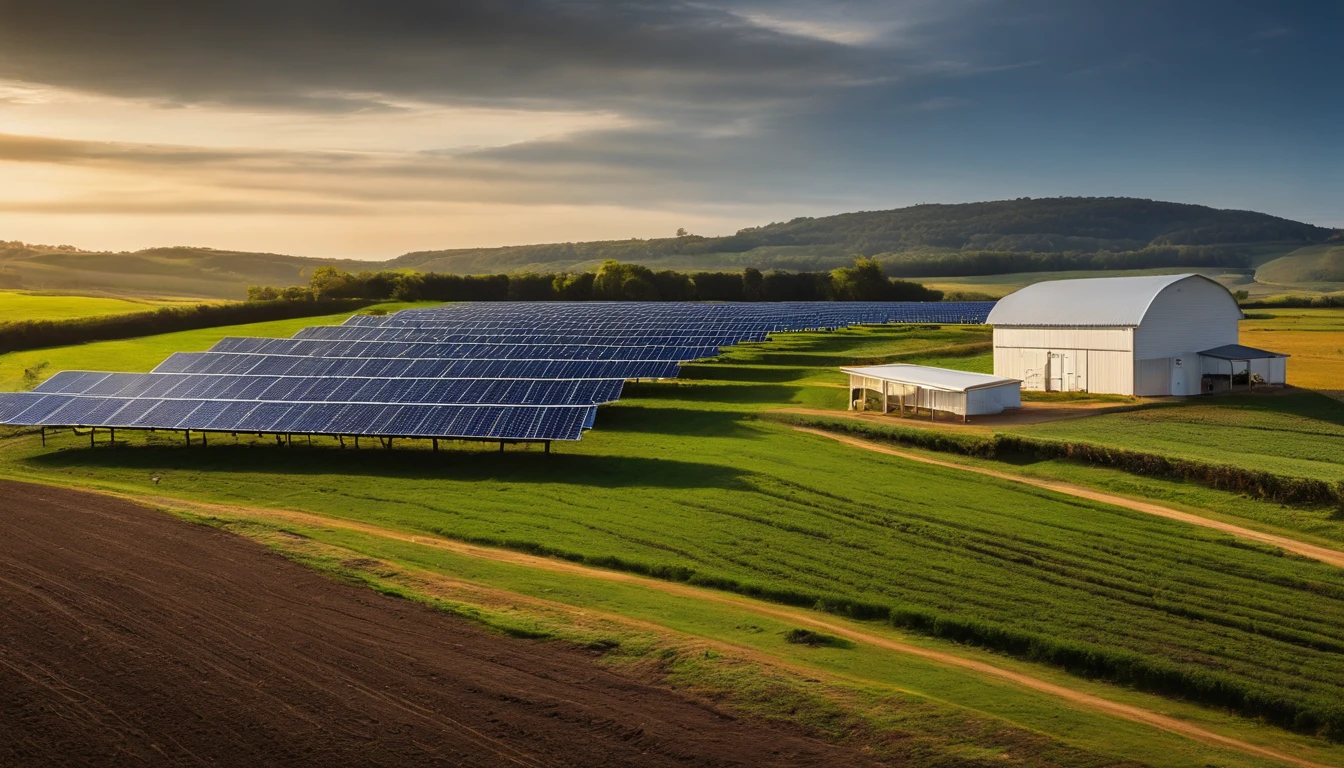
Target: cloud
{"type": "Point", "coordinates": [350, 55]}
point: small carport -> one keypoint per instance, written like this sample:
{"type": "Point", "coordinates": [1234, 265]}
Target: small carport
{"type": "Point", "coordinates": [1220, 367]}
{"type": "Point", "coordinates": [903, 386]}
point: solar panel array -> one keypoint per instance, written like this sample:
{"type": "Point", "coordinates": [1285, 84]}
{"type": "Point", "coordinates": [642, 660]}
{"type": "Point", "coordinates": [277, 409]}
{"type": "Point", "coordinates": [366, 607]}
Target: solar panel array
{"type": "Point", "coordinates": [497, 371]}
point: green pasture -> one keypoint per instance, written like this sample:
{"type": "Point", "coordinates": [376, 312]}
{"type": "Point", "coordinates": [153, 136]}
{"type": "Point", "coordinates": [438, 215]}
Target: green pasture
{"type": "Point", "coordinates": [1298, 435]}
{"type": "Point", "coordinates": [23, 370]}
{"type": "Point", "coordinates": [29, 305]}
{"type": "Point", "coordinates": [680, 480]}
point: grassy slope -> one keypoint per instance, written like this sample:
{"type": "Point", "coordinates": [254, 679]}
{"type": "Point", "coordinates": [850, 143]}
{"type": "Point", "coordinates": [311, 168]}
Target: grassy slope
{"type": "Point", "coordinates": [144, 353]}
{"type": "Point", "coordinates": [28, 305]}
{"type": "Point", "coordinates": [1310, 265]}
{"type": "Point", "coordinates": [679, 479]}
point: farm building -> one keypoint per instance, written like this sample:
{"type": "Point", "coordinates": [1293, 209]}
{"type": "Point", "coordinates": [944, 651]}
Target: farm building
{"type": "Point", "coordinates": [914, 387]}
{"type": "Point", "coordinates": [1150, 336]}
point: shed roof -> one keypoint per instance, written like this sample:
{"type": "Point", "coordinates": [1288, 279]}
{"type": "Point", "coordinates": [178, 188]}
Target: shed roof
{"type": "Point", "coordinates": [929, 377]}
{"type": "Point", "coordinates": [1239, 352]}
{"type": "Point", "coordinates": [1104, 301]}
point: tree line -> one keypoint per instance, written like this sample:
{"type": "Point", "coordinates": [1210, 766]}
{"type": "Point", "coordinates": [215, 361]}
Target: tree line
{"type": "Point", "coordinates": [970, 263]}
{"type": "Point", "coordinates": [614, 281]}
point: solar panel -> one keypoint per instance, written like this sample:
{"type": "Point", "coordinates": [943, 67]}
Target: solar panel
{"type": "Point", "coordinates": [503, 370]}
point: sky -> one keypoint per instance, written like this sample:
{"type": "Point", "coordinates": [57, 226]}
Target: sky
{"type": "Point", "coordinates": [369, 128]}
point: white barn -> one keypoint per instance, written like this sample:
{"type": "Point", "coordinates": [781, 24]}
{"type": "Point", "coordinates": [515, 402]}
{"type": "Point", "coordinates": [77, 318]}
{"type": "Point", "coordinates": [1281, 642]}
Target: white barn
{"type": "Point", "coordinates": [1122, 335]}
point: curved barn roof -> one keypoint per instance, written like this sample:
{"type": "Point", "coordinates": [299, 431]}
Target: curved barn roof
{"type": "Point", "coordinates": [1104, 301]}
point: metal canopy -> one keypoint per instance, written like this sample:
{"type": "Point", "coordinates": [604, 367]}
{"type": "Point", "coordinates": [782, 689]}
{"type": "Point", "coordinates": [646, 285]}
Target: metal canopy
{"type": "Point", "coordinates": [1240, 352]}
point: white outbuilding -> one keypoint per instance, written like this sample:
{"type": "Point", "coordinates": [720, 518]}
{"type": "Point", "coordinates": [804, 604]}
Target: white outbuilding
{"type": "Point", "coordinates": [910, 388]}
{"type": "Point", "coordinates": [1125, 335]}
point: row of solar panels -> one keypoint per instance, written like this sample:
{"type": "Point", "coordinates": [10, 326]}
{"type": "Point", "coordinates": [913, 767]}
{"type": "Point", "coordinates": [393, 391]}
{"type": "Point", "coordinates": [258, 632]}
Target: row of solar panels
{"type": "Point", "coordinates": [571, 317]}
{"type": "Point", "coordinates": [511, 371]}
{"type": "Point", "coordinates": [424, 368]}
{"type": "Point", "coordinates": [430, 349]}
{"type": "Point", "coordinates": [502, 422]}
{"type": "Point", "coordinates": [334, 389]}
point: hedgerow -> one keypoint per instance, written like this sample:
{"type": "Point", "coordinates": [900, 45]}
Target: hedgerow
{"type": "Point", "coordinates": [1255, 483]}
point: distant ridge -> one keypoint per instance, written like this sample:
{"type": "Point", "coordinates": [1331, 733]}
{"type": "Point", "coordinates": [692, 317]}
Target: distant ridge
{"type": "Point", "coordinates": [920, 237]}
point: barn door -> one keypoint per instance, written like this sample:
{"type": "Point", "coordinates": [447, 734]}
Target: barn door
{"type": "Point", "coordinates": [1178, 376]}
{"type": "Point", "coordinates": [1055, 372]}
{"type": "Point", "coordinates": [1070, 372]}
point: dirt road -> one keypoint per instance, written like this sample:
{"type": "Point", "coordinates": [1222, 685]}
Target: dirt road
{"type": "Point", "coordinates": [1324, 554]}
{"type": "Point", "coordinates": [130, 637]}
{"type": "Point", "coordinates": [799, 616]}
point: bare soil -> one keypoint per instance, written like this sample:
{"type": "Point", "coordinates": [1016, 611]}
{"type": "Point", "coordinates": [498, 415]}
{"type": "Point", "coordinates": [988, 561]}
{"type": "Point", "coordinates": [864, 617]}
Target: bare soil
{"type": "Point", "coordinates": [129, 637]}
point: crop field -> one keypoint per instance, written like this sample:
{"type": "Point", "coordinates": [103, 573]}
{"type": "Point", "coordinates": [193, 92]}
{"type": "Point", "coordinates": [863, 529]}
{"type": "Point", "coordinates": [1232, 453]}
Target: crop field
{"type": "Point", "coordinates": [24, 370]}
{"type": "Point", "coordinates": [28, 305]}
{"type": "Point", "coordinates": [1314, 338]}
{"type": "Point", "coordinates": [681, 481]}
{"type": "Point", "coordinates": [1297, 435]}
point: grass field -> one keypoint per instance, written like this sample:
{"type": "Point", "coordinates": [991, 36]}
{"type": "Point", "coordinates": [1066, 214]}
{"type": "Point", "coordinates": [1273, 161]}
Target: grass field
{"type": "Point", "coordinates": [24, 370]}
{"type": "Point", "coordinates": [30, 305]}
{"type": "Point", "coordinates": [1298, 435]}
{"type": "Point", "coordinates": [681, 481]}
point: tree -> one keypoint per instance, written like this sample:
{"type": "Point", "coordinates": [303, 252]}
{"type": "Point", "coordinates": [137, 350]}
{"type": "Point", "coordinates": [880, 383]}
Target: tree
{"type": "Point", "coordinates": [681, 232]}
{"type": "Point", "coordinates": [610, 282]}
{"type": "Point", "coordinates": [751, 284]}
{"type": "Point", "coordinates": [862, 282]}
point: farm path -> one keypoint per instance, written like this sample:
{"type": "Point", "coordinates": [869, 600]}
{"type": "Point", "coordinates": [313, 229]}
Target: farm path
{"type": "Point", "coordinates": [1323, 554]}
{"type": "Point", "coordinates": [800, 616]}
{"type": "Point", "coordinates": [130, 637]}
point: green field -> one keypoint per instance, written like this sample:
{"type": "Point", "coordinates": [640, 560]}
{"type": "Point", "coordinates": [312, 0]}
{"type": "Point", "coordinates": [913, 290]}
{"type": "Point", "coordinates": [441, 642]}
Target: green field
{"type": "Point", "coordinates": [1298, 435]}
{"type": "Point", "coordinates": [29, 305]}
{"type": "Point", "coordinates": [681, 481]}
{"type": "Point", "coordinates": [23, 370]}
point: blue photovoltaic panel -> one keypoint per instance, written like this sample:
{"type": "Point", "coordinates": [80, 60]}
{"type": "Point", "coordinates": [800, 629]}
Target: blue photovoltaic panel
{"type": "Point", "coordinates": [327, 389]}
{"type": "Point", "coordinates": [502, 370]}
{"type": "Point", "coordinates": [413, 349]}
{"type": "Point", "coordinates": [279, 365]}
{"type": "Point", "coordinates": [445, 421]}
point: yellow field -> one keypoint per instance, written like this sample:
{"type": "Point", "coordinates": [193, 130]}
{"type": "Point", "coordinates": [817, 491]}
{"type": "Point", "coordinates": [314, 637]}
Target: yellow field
{"type": "Point", "coordinates": [28, 305]}
{"type": "Point", "coordinates": [1314, 338]}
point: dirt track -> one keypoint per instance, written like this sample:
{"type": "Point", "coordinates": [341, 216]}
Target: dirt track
{"type": "Point", "coordinates": [1324, 554]}
{"type": "Point", "coordinates": [129, 637]}
{"type": "Point", "coordinates": [796, 615]}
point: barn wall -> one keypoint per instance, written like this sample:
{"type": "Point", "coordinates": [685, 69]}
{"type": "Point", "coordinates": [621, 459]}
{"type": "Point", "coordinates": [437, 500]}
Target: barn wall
{"type": "Point", "coordinates": [1088, 358]}
{"type": "Point", "coordinates": [1186, 317]}
{"type": "Point", "coordinates": [1152, 377]}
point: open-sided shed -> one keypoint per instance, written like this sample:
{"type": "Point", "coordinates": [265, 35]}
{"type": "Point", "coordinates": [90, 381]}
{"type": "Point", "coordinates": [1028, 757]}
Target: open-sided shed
{"type": "Point", "coordinates": [903, 386]}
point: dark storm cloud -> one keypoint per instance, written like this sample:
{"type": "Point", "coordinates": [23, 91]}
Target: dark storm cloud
{"type": "Point", "coordinates": [351, 54]}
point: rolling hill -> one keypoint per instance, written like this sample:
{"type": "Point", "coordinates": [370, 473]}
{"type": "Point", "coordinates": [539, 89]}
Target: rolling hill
{"type": "Point", "coordinates": [1007, 236]}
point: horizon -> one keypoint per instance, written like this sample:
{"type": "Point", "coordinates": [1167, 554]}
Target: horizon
{"type": "Point", "coordinates": [376, 258]}
{"type": "Point", "coordinates": [366, 131]}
